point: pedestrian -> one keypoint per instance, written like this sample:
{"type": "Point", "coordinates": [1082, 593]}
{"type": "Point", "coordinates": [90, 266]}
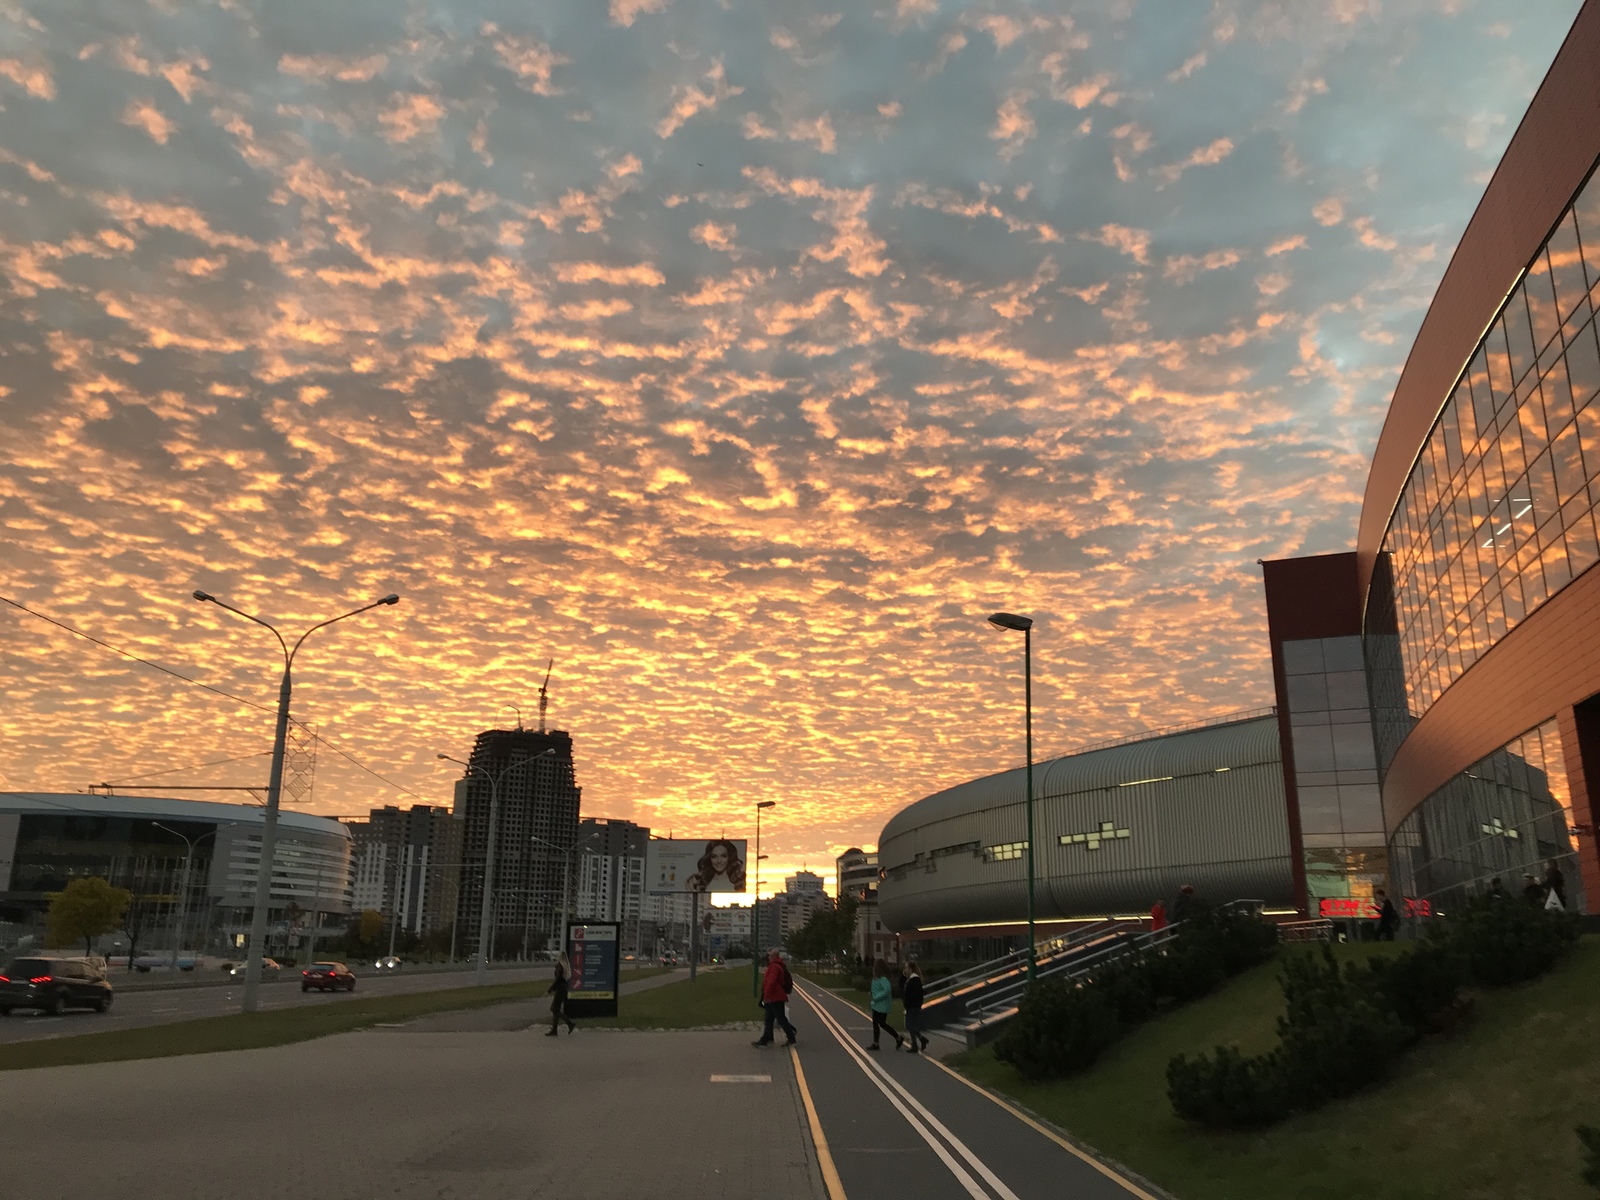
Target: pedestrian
{"type": "Point", "coordinates": [1532, 892]}
{"type": "Point", "coordinates": [1158, 917]}
{"type": "Point", "coordinates": [776, 985]}
{"type": "Point", "coordinates": [911, 999]}
{"type": "Point", "coordinates": [1556, 881]}
{"type": "Point", "coordinates": [882, 1000]}
{"type": "Point", "coordinates": [558, 996]}
{"type": "Point", "coordinates": [1184, 906]}
{"type": "Point", "coordinates": [1497, 890]}
{"type": "Point", "coordinates": [1388, 918]}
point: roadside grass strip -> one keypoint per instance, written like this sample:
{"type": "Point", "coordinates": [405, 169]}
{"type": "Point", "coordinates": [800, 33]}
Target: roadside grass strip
{"type": "Point", "coordinates": [275, 1027]}
{"type": "Point", "coordinates": [718, 999]}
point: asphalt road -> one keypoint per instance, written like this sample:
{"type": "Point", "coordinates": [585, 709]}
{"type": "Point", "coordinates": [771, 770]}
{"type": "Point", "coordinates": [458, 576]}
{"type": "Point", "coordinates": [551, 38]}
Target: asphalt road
{"type": "Point", "coordinates": [132, 1009]}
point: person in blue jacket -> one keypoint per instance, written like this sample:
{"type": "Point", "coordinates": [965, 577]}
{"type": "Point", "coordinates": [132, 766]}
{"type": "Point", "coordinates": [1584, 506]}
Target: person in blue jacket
{"type": "Point", "coordinates": [882, 999]}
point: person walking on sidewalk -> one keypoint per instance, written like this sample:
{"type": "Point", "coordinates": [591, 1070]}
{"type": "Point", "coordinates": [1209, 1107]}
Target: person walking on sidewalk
{"type": "Point", "coordinates": [882, 1001]}
{"type": "Point", "coordinates": [776, 985]}
{"type": "Point", "coordinates": [911, 998]}
{"type": "Point", "coordinates": [558, 997]}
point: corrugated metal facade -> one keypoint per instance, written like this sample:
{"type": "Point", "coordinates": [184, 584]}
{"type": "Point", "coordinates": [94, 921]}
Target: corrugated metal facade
{"type": "Point", "coordinates": [1204, 807]}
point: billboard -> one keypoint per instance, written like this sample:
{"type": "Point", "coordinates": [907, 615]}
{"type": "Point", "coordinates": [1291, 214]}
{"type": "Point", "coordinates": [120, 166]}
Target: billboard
{"type": "Point", "coordinates": [699, 865]}
{"type": "Point", "coordinates": [593, 950]}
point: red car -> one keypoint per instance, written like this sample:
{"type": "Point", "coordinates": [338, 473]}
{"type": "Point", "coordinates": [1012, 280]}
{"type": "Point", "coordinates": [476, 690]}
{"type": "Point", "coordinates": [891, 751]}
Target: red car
{"type": "Point", "coordinates": [325, 976]}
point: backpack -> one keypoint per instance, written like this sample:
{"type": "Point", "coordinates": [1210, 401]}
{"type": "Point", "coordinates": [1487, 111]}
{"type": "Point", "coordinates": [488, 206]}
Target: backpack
{"type": "Point", "coordinates": [788, 983]}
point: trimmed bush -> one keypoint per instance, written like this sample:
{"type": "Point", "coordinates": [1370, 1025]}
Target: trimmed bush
{"type": "Point", "coordinates": [1422, 987]}
{"type": "Point", "coordinates": [1589, 1137]}
{"type": "Point", "coordinates": [1228, 1090]}
{"type": "Point", "coordinates": [1503, 941]}
{"type": "Point", "coordinates": [1334, 1040]}
{"type": "Point", "coordinates": [1060, 1029]}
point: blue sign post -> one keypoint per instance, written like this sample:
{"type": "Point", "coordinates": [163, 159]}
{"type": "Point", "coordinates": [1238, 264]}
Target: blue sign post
{"type": "Point", "coordinates": [593, 949]}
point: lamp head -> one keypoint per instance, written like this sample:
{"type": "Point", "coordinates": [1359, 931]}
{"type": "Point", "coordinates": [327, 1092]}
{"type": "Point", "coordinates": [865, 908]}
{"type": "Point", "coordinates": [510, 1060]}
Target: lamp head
{"type": "Point", "coordinates": [767, 804]}
{"type": "Point", "coordinates": [203, 596]}
{"type": "Point", "coordinates": [446, 757]}
{"type": "Point", "coordinates": [391, 598]}
{"type": "Point", "coordinates": [1011, 621]}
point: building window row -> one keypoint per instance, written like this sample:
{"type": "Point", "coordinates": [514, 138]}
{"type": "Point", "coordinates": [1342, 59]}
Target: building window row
{"type": "Point", "coordinates": [1499, 511]}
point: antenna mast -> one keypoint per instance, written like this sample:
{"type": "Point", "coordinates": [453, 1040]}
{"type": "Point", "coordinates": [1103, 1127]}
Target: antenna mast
{"type": "Point", "coordinates": [544, 693]}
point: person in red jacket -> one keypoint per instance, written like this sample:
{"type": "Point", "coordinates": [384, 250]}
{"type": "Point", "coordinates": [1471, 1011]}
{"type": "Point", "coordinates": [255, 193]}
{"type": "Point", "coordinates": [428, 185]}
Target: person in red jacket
{"type": "Point", "coordinates": [1158, 917]}
{"type": "Point", "coordinates": [775, 988]}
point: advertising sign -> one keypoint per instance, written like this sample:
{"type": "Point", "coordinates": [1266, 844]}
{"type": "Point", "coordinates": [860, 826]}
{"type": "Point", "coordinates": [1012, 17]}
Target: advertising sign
{"type": "Point", "coordinates": [593, 949]}
{"type": "Point", "coordinates": [698, 865]}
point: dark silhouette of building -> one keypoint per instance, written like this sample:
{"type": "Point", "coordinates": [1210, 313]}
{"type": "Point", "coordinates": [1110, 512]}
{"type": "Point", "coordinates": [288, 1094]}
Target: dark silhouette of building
{"type": "Point", "coordinates": [408, 866]}
{"type": "Point", "coordinates": [537, 830]}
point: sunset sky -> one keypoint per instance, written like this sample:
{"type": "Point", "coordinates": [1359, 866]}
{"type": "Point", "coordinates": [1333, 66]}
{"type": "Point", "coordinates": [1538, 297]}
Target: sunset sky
{"type": "Point", "coordinates": [740, 357]}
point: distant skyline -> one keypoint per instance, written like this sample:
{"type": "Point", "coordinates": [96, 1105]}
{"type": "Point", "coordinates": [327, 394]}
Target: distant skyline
{"type": "Point", "coordinates": [740, 358]}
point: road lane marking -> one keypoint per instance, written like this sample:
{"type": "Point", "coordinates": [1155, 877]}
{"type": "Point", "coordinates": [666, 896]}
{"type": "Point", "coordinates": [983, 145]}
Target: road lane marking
{"type": "Point", "coordinates": [741, 1079]}
{"type": "Point", "coordinates": [1055, 1137]}
{"type": "Point", "coordinates": [879, 1079]}
{"type": "Point", "coordinates": [830, 1173]}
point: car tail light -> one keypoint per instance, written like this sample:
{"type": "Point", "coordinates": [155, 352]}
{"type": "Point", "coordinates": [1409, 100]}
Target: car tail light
{"type": "Point", "coordinates": [40, 979]}
{"type": "Point", "coordinates": [5, 979]}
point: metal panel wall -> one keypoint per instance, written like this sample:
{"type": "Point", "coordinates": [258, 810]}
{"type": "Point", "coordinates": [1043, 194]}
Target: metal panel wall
{"type": "Point", "coordinates": [1204, 807]}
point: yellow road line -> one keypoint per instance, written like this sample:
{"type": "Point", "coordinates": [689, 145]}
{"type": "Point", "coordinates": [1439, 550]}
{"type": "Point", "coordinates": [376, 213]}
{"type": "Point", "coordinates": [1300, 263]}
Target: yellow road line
{"type": "Point", "coordinates": [1128, 1185]}
{"type": "Point", "coordinates": [830, 1173]}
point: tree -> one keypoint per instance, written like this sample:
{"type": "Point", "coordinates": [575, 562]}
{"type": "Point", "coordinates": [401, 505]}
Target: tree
{"type": "Point", "coordinates": [85, 909]}
{"type": "Point", "coordinates": [133, 923]}
{"type": "Point", "coordinates": [371, 926]}
{"type": "Point", "coordinates": [830, 933]}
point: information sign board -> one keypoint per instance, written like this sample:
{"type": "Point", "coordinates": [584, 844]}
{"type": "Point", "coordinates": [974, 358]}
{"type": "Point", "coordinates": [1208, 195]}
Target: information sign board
{"type": "Point", "coordinates": [593, 949]}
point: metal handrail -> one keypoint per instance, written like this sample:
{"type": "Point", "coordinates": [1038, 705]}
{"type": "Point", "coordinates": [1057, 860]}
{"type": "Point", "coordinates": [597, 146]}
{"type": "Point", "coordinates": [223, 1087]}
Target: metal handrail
{"type": "Point", "coordinates": [1007, 998]}
{"type": "Point", "coordinates": [1015, 960]}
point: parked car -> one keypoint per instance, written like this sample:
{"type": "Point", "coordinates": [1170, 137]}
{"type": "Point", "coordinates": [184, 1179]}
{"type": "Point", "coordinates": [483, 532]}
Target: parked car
{"type": "Point", "coordinates": [269, 967]}
{"type": "Point", "coordinates": [389, 963]}
{"type": "Point", "coordinates": [54, 985]}
{"type": "Point", "coordinates": [327, 976]}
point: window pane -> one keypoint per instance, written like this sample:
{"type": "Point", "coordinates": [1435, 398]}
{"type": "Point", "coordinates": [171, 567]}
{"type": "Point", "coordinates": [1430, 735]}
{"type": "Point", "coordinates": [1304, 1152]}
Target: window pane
{"type": "Point", "coordinates": [1566, 266]}
{"type": "Point", "coordinates": [1519, 336]}
{"type": "Point", "coordinates": [1568, 464]}
{"type": "Point", "coordinates": [1587, 210]}
{"type": "Point", "coordinates": [1541, 302]}
{"type": "Point", "coordinates": [1530, 417]}
{"type": "Point", "coordinates": [1583, 365]}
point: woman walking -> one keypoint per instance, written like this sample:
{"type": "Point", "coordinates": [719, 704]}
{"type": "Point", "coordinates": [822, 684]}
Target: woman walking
{"type": "Point", "coordinates": [558, 997]}
{"type": "Point", "coordinates": [882, 999]}
{"type": "Point", "coordinates": [911, 998]}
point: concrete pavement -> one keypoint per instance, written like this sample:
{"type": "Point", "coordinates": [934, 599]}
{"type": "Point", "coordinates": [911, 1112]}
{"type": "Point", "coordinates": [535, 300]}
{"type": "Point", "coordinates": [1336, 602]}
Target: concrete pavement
{"type": "Point", "coordinates": [598, 1115]}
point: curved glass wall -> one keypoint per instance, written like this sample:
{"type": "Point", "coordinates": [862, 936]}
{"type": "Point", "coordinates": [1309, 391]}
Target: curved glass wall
{"type": "Point", "coordinates": [1505, 819]}
{"type": "Point", "coordinates": [1498, 513]}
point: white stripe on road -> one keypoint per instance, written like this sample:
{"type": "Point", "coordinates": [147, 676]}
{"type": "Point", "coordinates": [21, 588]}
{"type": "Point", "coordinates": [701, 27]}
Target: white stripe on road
{"type": "Point", "coordinates": [880, 1077]}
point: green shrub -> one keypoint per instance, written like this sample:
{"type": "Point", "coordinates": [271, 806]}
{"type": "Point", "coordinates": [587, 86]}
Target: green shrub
{"type": "Point", "coordinates": [1059, 1029]}
{"type": "Point", "coordinates": [1129, 984]}
{"type": "Point", "coordinates": [1333, 1039]}
{"type": "Point", "coordinates": [1420, 987]}
{"type": "Point", "coordinates": [1227, 1090]}
{"type": "Point", "coordinates": [1504, 941]}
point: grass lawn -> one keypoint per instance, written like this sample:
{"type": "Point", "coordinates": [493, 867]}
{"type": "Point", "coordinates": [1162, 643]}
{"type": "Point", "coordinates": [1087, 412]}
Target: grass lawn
{"type": "Point", "coordinates": [249, 1031]}
{"type": "Point", "coordinates": [1486, 1114]}
{"type": "Point", "coordinates": [715, 998]}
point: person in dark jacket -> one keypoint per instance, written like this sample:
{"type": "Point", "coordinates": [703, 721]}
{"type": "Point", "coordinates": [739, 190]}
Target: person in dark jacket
{"type": "Point", "coordinates": [776, 985]}
{"type": "Point", "coordinates": [558, 997]}
{"type": "Point", "coordinates": [1555, 881]}
{"type": "Point", "coordinates": [1388, 918]}
{"type": "Point", "coordinates": [911, 1001]}
{"type": "Point", "coordinates": [1532, 892]}
{"type": "Point", "coordinates": [1184, 906]}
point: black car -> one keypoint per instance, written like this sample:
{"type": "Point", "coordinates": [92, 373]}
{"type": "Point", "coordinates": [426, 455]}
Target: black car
{"type": "Point", "coordinates": [54, 985]}
{"type": "Point", "coordinates": [327, 975]}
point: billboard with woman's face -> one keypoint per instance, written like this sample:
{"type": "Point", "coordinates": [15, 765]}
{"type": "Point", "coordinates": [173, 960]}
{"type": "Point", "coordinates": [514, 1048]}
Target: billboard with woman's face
{"type": "Point", "coordinates": [698, 865]}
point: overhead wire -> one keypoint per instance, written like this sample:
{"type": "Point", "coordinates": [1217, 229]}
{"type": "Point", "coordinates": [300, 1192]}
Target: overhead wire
{"type": "Point", "coordinates": [317, 737]}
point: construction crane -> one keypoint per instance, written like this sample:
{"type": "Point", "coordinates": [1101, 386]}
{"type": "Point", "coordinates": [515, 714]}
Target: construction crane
{"type": "Point", "coordinates": [544, 693]}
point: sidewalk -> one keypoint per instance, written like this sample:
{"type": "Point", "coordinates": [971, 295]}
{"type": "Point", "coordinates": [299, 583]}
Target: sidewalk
{"type": "Point", "coordinates": [416, 1114]}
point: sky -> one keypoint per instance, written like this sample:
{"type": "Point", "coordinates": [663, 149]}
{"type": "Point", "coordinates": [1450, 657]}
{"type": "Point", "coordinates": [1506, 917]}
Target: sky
{"type": "Point", "coordinates": [741, 358]}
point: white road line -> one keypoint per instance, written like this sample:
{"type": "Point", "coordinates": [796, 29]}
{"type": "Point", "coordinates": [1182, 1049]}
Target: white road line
{"type": "Point", "coordinates": [880, 1079]}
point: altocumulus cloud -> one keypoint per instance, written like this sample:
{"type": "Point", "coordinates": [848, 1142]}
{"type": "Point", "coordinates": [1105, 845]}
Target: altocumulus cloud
{"type": "Point", "coordinates": [740, 359]}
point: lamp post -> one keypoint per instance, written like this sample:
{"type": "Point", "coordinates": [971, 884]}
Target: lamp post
{"type": "Point", "coordinates": [269, 826]}
{"type": "Point", "coordinates": [755, 909]}
{"type": "Point", "coordinates": [494, 778]}
{"type": "Point", "coordinates": [183, 891]}
{"type": "Point", "coordinates": [1025, 624]}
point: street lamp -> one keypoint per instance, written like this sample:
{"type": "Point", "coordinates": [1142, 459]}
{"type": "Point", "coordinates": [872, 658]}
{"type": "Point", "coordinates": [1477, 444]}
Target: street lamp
{"type": "Point", "coordinates": [183, 891]}
{"type": "Point", "coordinates": [1025, 624]}
{"type": "Point", "coordinates": [269, 827]}
{"type": "Point", "coordinates": [566, 884]}
{"type": "Point", "coordinates": [755, 909]}
{"type": "Point", "coordinates": [494, 778]}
